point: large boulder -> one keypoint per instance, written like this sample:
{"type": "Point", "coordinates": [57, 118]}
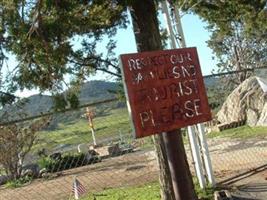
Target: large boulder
{"type": "Point", "coordinates": [246, 102]}
{"type": "Point", "coordinates": [263, 117]}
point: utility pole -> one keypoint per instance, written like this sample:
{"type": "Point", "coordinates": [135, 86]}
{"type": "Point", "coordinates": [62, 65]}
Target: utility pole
{"type": "Point", "coordinates": [179, 27]}
{"type": "Point", "coordinates": [169, 24]}
{"type": "Point", "coordinates": [148, 39]}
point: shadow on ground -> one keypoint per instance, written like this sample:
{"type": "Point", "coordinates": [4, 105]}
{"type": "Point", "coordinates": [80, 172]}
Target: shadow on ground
{"type": "Point", "coordinates": [243, 198]}
{"type": "Point", "coordinates": [251, 191]}
{"type": "Point", "coordinates": [253, 187]}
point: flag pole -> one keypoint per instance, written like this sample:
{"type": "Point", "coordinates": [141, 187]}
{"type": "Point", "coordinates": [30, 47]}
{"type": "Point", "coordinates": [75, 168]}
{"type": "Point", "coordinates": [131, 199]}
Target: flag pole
{"type": "Point", "coordinates": [72, 187]}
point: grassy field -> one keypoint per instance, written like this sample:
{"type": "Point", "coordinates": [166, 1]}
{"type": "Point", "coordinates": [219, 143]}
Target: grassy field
{"type": "Point", "coordinates": [115, 123]}
{"type": "Point", "coordinates": [144, 192]}
{"type": "Point", "coordinates": [242, 132]}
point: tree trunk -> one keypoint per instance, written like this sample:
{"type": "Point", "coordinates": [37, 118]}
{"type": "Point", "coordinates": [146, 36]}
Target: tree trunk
{"type": "Point", "coordinates": [181, 176]}
{"type": "Point", "coordinates": [164, 176]}
{"type": "Point", "coordinates": [147, 38]}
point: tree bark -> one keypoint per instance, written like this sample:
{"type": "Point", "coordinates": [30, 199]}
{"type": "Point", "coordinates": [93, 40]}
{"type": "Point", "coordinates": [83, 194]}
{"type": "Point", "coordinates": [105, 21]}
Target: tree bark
{"type": "Point", "coordinates": [147, 38]}
{"type": "Point", "coordinates": [180, 172]}
{"type": "Point", "coordinates": [147, 35]}
{"type": "Point", "coordinates": [166, 189]}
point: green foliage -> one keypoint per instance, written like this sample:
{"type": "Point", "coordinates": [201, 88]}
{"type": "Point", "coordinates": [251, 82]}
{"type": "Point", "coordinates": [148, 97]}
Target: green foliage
{"type": "Point", "coordinates": [16, 141]}
{"type": "Point", "coordinates": [18, 182]}
{"type": "Point", "coordinates": [107, 124]}
{"type": "Point", "coordinates": [217, 94]}
{"type": "Point", "coordinates": [238, 29]}
{"type": "Point", "coordinates": [73, 99]}
{"type": "Point", "coordinates": [68, 161]}
{"type": "Point", "coordinates": [224, 14]}
{"type": "Point", "coordinates": [45, 162]}
{"type": "Point", "coordinates": [60, 102]}
{"type": "Point", "coordinates": [63, 101]}
{"type": "Point", "coordinates": [6, 98]}
{"type": "Point", "coordinates": [149, 191]}
{"type": "Point", "coordinates": [2, 171]}
{"type": "Point", "coordinates": [243, 132]}
{"type": "Point", "coordinates": [203, 194]}
{"type": "Point", "coordinates": [42, 34]}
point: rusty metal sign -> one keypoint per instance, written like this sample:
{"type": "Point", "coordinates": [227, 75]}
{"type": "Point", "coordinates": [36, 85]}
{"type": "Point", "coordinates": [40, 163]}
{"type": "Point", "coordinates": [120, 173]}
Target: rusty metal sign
{"type": "Point", "coordinates": [165, 90]}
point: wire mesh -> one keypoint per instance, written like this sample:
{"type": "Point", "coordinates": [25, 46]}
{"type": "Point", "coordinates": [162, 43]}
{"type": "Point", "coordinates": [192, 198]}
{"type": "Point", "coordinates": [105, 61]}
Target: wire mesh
{"type": "Point", "coordinates": [66, 149]}
{"type": "Point", "coordinates": [95, 145]}
{"type": "Point", "coordinates": [237, 135]}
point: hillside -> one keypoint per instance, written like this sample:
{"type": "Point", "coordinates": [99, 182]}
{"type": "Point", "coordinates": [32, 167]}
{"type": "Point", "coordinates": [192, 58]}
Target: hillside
{"type": "Point", "coordinates": [211, 81]}
{"type": "Point", "coordinates": [96, 91]}
{"type": "Point", "coordinates": [91, 91]}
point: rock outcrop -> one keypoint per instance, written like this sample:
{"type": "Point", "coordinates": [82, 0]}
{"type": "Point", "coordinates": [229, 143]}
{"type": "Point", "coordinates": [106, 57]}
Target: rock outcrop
{"type": "Point", "coordinates": [263, 118]}
{"type": "Point", "coordinates": [247, 102]}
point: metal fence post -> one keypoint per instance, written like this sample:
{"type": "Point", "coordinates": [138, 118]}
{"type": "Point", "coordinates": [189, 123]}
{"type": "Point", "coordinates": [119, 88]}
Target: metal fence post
{"type": "Point", "coordinates": [206, 155]}
{"type": "Point", "coordinates": [196, 156]}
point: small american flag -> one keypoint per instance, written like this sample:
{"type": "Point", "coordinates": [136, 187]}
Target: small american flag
{"type": "Point", "coordinates": [78, 189]}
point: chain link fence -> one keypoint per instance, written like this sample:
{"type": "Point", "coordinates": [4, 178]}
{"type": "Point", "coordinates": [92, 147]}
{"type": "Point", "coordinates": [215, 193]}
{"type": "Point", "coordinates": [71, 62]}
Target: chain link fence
{"type": "Point", "coordinates": [237, 135]}
{"type": "Point", "coordinates": [94, 145]}
{"type": "Point", "coordinates": [99, 152]}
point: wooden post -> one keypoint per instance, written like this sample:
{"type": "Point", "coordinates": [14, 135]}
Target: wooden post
{"type": "Point", "coordinates": [147, 37]}
{"type": "Point", "coordinates": [143, 27]}
{"type": "Point", "coordinates": [90, 115]}
{"type": "Point", "coordinates": [181, 176]}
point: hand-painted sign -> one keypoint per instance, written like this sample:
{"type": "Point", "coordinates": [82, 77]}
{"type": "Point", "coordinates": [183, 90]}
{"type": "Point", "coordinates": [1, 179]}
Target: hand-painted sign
{"type": "Point", "coordinates": [165, 90]}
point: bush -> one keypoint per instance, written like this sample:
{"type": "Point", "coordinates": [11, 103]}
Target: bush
{"type": "Point", "coordinates": [18, 182]}
{"type": "Point", "coordinates": [67, 162]}
{"type": "Point", "coordinates": [46, 162]}
{"type": "Point", "coordinates": [203, 194]}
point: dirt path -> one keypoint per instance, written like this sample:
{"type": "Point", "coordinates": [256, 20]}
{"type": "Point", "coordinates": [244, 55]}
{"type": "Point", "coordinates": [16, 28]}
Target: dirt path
{"type": "Point", "coordinates": [228, 157]}
{"type": "Point", "coordinates": [131, 169]}
{"type": "Point", "coordinates": [253, 186]}
{"type": "Point", "coordinates": [233, 157]}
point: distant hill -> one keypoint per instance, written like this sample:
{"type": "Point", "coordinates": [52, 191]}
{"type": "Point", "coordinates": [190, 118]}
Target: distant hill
{"type": "Point", "coordinates": [96, 91]}
{"type": "Point", "coordinates": [211, 81]}
{"type": "Point", "coordinates": [91, 91]}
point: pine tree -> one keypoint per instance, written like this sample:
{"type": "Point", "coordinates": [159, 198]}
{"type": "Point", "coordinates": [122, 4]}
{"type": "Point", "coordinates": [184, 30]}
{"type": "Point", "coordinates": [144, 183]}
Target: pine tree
{"type": "Point", "coordinates": [51, 39]}
{"type": "Point", "coordinates": [238, 30]}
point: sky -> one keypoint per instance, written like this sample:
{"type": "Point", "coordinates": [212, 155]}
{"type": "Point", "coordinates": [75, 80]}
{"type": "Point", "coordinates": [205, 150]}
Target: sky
{"type": "Point", "coordinates": [195, 36]}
